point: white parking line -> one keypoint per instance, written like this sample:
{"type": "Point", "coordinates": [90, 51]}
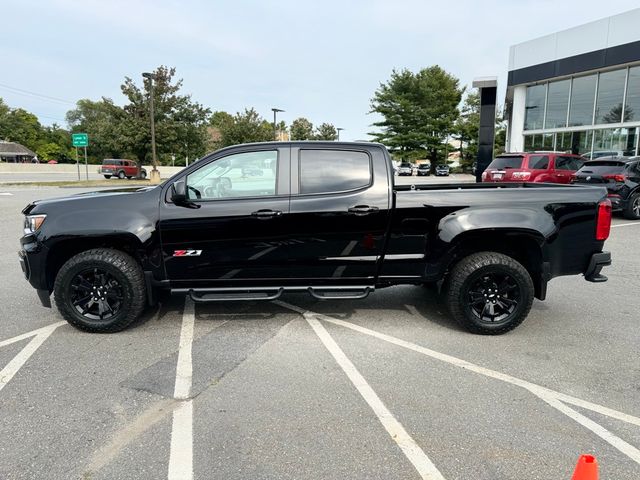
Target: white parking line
{"type": "Point", "coordinates": [550, 396]}
{"type": "Point", "coordinates": [409, 447]}
{"type": "Point", "coordinates": [625, 224]}
{"type": "Point", "coordinates": [181, 454]}
{"type": "Point", "coordinates": [40, 335]}
{"type": "Point", "coordinates": [7, 194]}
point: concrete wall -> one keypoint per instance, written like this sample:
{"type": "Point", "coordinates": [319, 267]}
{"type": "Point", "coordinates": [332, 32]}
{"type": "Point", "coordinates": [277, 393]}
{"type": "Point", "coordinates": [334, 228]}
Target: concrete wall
{"type": "Point", "coordinates": [45, 168]}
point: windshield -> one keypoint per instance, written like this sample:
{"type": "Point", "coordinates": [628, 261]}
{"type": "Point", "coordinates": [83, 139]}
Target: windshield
{"type": "Point", "coordinates": [501, 163]}
{"type": "Point", "coordinates": [423, 166]}
{"type": "Point", "coordinates": [405, 165]}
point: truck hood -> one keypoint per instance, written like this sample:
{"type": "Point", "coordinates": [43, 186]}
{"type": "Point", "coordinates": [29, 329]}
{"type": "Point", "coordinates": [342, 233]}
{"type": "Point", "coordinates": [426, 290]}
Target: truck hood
{"type": "Point", "coordinates": [39, 206]}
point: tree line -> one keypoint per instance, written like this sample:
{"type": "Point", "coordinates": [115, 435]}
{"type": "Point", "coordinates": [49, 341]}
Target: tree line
{"type": "Point", "coordinates": [421, 112]}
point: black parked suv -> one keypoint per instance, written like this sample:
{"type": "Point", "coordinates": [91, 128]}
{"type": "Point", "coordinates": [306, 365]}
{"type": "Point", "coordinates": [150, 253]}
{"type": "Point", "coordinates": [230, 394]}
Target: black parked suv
{"type": "Point", "coordinates": [621, 176]}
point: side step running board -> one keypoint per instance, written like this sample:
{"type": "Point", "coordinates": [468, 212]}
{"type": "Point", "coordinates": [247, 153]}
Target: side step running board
{"type": "Point", "coordinates": [338, 294]}
{"type": "Point", "coordinates": [341, 292]}
{"type": "Point", "coordinates": [213, 296]}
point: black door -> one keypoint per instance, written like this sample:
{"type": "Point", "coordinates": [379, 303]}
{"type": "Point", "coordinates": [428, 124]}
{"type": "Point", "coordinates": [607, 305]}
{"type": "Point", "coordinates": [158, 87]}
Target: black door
{"type": "Point", "coordinates": [230, 236]}
{"type": "Point", "coordinates": [339, 214]}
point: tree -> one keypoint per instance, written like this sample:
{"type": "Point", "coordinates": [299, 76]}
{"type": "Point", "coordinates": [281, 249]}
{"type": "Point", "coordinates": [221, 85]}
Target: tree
{"type": "Point", "coordinates": [418, 110]}
{"type": "Point", "coordinates": [244, 127]}
{"type": "Point", "coordinates": [326, 131]}
{"type": "Point", "coordinates": [301, 129]}
{"type": "Point", "coordinates": [467, 128]}
{"type": "Point", "coordinates": [180, 123]}
{"type": "Point", "coordinates": [18, 125]}
{"type": "Point", "coordinates": [102, 120]}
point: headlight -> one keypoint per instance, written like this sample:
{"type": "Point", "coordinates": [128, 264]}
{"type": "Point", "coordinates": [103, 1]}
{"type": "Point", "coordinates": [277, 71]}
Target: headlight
{"type": "Point", "coordinates": [33, 222]}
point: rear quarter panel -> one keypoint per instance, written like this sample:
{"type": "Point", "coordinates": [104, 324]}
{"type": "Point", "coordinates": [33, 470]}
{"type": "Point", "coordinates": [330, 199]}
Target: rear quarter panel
{"type": "Point", "coordinates": [560, 220]}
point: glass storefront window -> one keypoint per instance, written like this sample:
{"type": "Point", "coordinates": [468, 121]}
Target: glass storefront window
{"type": "Point", "coordinates": [534, 107]}
{"type": "Point", "coordinates": [614, 142]}
{"type": "Point", "coordinates": [557, 103]}
{"type": "Point", "coordinates": [632, 107]}
{"type": "Point", "coordinates": [583, 93]}
{"type": "Point", "coordinates": [610, 96]}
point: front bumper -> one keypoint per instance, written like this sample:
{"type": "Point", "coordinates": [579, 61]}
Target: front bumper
{"type": "Point", "coordinates": [597, 262]}
{"type": "Point", "coordinates": [32, 258]}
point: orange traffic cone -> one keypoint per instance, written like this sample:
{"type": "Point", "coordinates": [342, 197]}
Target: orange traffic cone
{"type": "Point", "coordinates": [586, 468]}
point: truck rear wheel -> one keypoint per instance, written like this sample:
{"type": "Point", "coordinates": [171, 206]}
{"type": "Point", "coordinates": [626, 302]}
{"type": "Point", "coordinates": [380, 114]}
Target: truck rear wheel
{"type": "Point", "coordinates": [489, 293]}
{"type": "Point", "coordinates": [100, 290]}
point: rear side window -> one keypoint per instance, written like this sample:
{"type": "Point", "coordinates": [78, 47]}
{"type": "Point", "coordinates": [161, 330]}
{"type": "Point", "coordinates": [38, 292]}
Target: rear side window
{"type": "Point", "coordinates": [327, 171]}
{"type": "Point", "coordinates": [500, 163]}
{"type": "Point", "coordinates": [539, 162]}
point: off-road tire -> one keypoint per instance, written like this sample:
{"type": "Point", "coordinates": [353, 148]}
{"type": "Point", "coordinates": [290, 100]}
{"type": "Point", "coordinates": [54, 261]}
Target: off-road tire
{"type": "Point", "coordinates": [473, 269]}
{"type": "Point", "coordinates": [632, 211]}
{"type": "Point", "coordinates": [123, 268]}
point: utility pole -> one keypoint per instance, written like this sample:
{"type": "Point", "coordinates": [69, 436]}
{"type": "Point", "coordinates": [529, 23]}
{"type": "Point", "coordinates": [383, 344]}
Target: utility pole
{"type": "Point", "coordinates": [275, 131]}
{"type": "Point", "coordinates": [339, 129]}
{"type": "Point", "coordinates": [155, 175]}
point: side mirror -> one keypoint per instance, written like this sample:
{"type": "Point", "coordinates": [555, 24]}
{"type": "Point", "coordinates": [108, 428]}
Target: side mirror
{"type": "Point", "coordinates": [179, 192]}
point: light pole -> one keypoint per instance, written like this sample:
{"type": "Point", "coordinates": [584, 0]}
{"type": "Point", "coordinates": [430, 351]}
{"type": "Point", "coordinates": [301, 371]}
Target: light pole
{"type": "Point", "coordinates": [275, 131]}
{"type": "Point", "coordinates": [155, 175]}
{"type": "Point", "coordinates": [339, 129]}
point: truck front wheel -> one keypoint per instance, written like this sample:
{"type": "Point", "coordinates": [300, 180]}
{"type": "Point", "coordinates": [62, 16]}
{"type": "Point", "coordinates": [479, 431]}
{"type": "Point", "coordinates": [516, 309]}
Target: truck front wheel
{"type": "Point", "coordinates": [489, 293]}
{"type": "Point", "coordinates": [100, 290]}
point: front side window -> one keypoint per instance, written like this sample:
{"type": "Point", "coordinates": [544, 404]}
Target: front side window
{"type": "Point", "coordinates": [565, 163]}
{"type": "Point", "coordinates": [326, 171]}
{"type": "Point", "coordinates": [251, 174]}
{"type": "Point", "coordinates": [534, 107]}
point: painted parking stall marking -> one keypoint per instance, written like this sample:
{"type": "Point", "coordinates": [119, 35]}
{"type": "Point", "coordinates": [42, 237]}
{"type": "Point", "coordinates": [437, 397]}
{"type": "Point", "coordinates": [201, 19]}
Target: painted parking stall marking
{"type": "Point", "coordinates": [39, 336]}
{"type": "Point", "coordinates": [553, 398]}
{"type": "Point", "coordinates": [181, 454]}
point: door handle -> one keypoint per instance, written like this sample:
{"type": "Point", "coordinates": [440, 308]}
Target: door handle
{"type": "Point", "coordinates": [266, 213]}
{"type": "Point", "coordinates": [362, 209]}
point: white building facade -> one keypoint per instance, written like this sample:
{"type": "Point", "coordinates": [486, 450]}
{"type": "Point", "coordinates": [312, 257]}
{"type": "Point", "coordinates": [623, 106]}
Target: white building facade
{"type": "Point", "coordinates": [577, 90]}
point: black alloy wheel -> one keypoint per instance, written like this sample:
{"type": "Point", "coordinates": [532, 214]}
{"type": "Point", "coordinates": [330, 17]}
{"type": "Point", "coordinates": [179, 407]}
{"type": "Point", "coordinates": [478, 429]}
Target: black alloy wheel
{"type": "Point", "coordinates": [493, 297]}
{"type": "Point", "coordinates": [96, 294]}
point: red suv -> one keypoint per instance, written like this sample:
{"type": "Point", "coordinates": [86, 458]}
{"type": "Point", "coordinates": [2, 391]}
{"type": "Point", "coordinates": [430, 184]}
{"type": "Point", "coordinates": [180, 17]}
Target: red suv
{"type": "Point", "coordinates": [115, 167]}
{"type": "Point", "coordinates": [550, 167]}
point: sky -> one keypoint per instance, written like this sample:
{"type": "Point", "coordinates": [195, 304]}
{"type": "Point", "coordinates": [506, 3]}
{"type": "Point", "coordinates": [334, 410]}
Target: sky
{"type": "Point", "coordinates": [322, 60]}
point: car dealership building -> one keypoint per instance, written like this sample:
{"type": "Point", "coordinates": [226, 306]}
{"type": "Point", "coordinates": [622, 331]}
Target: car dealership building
{"type": "Point", "coordinates": [577, 90]}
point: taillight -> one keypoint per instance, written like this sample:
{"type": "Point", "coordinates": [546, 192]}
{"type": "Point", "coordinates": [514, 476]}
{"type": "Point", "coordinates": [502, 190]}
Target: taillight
{"type": "Point", "coordinates": [603, 222]}
{"type": "Point", "coordinates": [615, 178]}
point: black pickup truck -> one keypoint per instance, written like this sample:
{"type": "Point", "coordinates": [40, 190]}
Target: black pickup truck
{"type": "Point", "coordinates": [252, 221]}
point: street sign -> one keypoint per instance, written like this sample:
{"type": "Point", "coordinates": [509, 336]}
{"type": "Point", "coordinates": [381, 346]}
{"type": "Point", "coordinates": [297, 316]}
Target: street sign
{"type": "Point", "coordinates": [80, 139]}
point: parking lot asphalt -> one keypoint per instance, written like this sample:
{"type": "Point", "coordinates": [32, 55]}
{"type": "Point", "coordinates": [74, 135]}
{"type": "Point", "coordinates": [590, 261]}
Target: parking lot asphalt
{"type": "Point", "coordinates": [383, 388]}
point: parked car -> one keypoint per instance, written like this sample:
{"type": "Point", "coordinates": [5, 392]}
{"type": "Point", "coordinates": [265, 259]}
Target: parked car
{"type": "Point", "coordinates": [328, 230]}
{"type": "Point", "coordinates": [405, 169]}
{"type": "Point", "coordinates": [52, 162]}
{"type": "Point", "coordinates": [621, 176]}
{"type": "Point", "coordinates": [424, 169]}
{"type": "Point", "coordinates": [442, 170]}
{"type": "Point", "coordinates": [121, 168]}
{"type": "Point", "coordinates": [547, 167]}
{"type": "Point", "coordinates": [252, 172]}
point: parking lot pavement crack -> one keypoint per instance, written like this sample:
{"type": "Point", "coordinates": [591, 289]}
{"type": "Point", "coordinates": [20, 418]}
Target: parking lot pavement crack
{"type": "Point", "coordinates": [214, 355]}
{"type": "Point", "coordinates": [128, 433]}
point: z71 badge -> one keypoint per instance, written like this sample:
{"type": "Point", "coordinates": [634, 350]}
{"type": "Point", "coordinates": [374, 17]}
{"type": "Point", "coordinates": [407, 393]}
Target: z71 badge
{"type": "Point", "coordinates": [187, 253]}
